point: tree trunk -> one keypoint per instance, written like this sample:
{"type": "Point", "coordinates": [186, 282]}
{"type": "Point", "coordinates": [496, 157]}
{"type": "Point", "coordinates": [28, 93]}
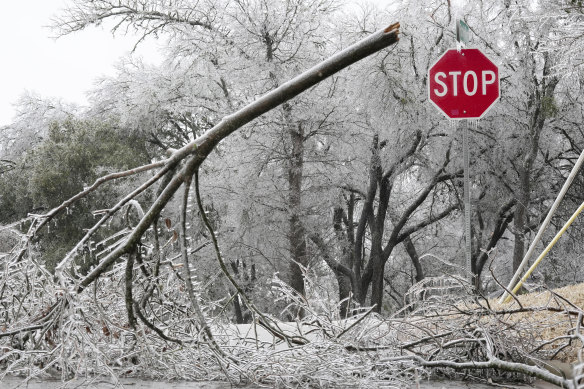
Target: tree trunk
{"type": "Point", "coordinates": [344, 283]}
{"type": "Point", "coordinates": [346, 241]}
{"type": "Point", "coordinates": [297, 234]}
{"type": "Point", "coordinates": [238, 311]}
{"type": "Point", "coordinates": [413, 253]}
{"type": "Point", "coordinates": [378, 267]}
{"type": "Point", "coordinates": [236, 305]}
{"type": "Point", "coordinates": [295, 165]}
{"type": "Point", "coordinates": [367, 214]}
{"type": "Point", "coordinates": [377, 288]}
{"type": "Point", "coordinates": [520, 216]}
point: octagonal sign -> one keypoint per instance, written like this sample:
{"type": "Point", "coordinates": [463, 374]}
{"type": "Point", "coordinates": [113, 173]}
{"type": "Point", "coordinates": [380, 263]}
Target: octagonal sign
{"type": "Point", "coordinates": [463, 84]}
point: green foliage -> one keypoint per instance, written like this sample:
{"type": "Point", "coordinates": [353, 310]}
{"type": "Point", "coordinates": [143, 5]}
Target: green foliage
{"type": "Point", "coordinates": [549, 107]}
{"type": "Point", "coordinates": [13, 195]}
{"type": "Point", "coordinates": [74, 155]}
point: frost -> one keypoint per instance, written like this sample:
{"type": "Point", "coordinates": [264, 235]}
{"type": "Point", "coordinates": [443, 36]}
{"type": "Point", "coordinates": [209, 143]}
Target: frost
{"type": "Point", "coordinates": [473, 124]}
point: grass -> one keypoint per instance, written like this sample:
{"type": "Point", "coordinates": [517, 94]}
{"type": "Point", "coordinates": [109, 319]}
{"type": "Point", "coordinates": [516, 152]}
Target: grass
{"type": "Point", "coordinates": [551, 320]}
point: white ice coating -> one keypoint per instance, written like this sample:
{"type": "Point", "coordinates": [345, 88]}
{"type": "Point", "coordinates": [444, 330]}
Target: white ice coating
{"type": "Point", "coordinates": [473, 124]}
{"type": "Point", "coordinates": [457, 9]}
{"type": "Point", "coordinates": [458, 46]}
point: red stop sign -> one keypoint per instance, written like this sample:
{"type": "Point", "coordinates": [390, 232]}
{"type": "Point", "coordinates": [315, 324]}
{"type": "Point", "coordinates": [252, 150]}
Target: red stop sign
{"type": "Point", "coordinates": [463, 85]}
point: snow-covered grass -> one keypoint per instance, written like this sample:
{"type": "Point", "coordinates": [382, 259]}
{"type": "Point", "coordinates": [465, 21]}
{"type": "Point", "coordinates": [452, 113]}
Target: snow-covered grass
{"type": "Point", "coordinates": [552, 316]}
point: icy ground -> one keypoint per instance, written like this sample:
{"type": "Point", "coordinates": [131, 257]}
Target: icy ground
{"type": "Point", "coordinates": [13, 383]}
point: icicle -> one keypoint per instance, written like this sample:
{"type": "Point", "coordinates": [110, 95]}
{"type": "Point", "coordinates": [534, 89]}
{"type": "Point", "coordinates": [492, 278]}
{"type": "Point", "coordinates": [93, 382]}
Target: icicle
{"type": "Point", "coordinates": [67, 211]}
{"type": "Point", "coordinates": [473, 124]}
{"type": "Point", "coordinates": [452, 124]}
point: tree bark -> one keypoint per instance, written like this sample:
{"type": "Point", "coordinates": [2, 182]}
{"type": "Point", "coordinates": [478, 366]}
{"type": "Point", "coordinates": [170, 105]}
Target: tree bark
{"type": "Point", "coordinates": [378, 266]}
{"type": "Point", "coordinates": [367, 216]}
{"type": "Point", "coordinates": [413, 253]}
{"type": "Point", "coordinates": [236, 305]}
{"type": "Point", "coordinates": [346, 242]}
{"type": "Point", "coordinates": [519, 219]}
{"type": "Point", "coordinates": [297, 237]}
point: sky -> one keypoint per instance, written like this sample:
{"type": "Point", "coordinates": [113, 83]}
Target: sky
{"type": "Point", "coordinates": [67, 67]}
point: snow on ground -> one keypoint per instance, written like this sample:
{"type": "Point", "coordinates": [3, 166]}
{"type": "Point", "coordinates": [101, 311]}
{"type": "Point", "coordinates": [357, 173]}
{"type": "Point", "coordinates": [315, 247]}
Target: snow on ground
{"type": "Point", "coordinates": [14, 383]}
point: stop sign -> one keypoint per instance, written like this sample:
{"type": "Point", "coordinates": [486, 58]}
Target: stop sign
{"type": "Point", "coordinates": [463, 84]}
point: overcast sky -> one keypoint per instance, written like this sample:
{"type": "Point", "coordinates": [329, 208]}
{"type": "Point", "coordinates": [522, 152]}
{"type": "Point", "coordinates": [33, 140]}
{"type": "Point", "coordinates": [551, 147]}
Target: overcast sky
{"type": "Point", "coordinates": [65, 68]}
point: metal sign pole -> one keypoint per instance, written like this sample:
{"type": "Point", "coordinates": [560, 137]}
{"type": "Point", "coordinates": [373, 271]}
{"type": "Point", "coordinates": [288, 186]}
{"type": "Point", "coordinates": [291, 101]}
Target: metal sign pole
{"type": "Point", "coordinates": [463, 38]}
{"type": "Point", "coordinates": [462, 32]}
{"type": "Point", "coordinates": [467, 231]}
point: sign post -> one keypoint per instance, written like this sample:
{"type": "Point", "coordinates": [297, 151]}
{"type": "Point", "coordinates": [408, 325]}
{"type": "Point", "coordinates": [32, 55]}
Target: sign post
{"type": "Point", "coordinates": [462, 32]}
{"type": "Point", "coordinates": [464, 84]}
{"type": "Point", "coordinates": [467, 215]}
